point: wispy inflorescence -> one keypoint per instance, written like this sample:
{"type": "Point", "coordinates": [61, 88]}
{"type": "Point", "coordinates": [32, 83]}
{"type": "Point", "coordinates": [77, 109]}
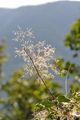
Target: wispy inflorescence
{"type": "Point", "coordinates": [39, 54]}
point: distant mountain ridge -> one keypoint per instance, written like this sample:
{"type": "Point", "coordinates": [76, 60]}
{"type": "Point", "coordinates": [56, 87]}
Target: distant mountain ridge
{"type": "Point", "coordinates": [49, 22]}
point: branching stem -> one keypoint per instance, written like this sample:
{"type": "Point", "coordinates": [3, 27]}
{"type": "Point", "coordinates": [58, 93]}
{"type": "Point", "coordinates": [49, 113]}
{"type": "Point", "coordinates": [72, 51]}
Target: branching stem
{"type": "Point", "coordinates": [48, 90]}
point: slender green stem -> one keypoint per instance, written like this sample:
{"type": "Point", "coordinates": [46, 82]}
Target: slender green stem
{"type": "Point", "coordinates": [66, 80]}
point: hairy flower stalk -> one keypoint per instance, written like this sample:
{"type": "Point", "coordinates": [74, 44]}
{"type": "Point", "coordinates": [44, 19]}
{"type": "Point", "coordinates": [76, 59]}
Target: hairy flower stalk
{"type": "Point", "coordinates": [37, 57]}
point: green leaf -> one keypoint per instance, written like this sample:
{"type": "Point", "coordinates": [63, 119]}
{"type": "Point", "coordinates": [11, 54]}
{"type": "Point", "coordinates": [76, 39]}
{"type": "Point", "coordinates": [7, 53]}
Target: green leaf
{"type": "Point", "coordinates": [47, 103]}
{"type": "Point", "coordinates": [62, 98]}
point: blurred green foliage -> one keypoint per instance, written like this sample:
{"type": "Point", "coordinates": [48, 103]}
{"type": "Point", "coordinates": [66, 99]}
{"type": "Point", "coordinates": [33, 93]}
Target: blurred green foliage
{"type": "Point", "coordinates": [22, 95]}
{"type": "Point", "coordinates": [3, 57]}
{"type": "Point", "coordinates": [72, 40]}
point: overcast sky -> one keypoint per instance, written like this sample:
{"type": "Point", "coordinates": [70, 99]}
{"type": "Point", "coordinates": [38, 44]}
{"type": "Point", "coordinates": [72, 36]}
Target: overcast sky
{"type": "Point", "coordinates": [18, 3]}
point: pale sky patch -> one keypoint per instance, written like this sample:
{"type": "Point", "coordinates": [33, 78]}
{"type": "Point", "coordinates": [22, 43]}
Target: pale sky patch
{"type": "Point", "coordinates": [18, 3]}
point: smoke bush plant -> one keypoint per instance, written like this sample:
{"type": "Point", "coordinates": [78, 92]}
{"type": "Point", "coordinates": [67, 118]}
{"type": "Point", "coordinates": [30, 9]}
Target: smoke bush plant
{"type": "Point", "coordinates": [40, 54]}
{"type": "Point", "coordinates": [38, 57]}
